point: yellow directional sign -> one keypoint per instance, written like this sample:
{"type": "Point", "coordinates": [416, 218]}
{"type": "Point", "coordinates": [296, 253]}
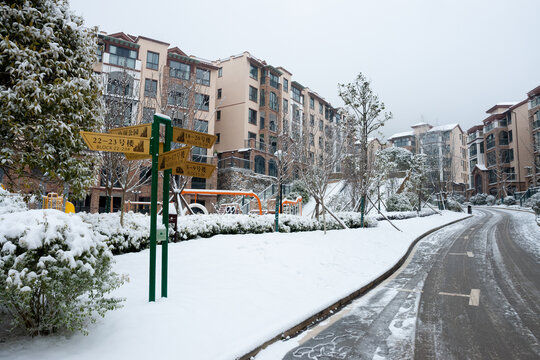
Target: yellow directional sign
{"type": "Point", "coordinates": [116, 143]}
{"type": "Point", "coordinates": [143, 131]}
{"type": "Point", "coordinates": [170, 159]}
{"type": "Point", "coordinates": [190, 168]}
{"type": "Point", "coordinates": [193, 138]}
{"type": "Point", "coordinates": [142, 156]}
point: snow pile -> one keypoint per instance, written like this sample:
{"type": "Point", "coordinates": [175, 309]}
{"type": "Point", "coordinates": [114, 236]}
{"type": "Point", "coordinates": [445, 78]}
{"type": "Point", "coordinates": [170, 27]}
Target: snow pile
{"type": "Point", "coordinates": [49, 262]}
{"type": "Point", "coordinates": [11, 202]}
{"type": "Point", "coordinates": [133, 236]}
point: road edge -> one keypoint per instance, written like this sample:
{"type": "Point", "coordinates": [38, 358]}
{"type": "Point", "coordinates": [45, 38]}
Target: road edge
{"type": "Point", "coordinates": [340, 304]}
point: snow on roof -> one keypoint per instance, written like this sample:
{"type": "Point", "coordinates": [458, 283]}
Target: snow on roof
{"type": "Point", "coordinates": [443, 127]}
{"type": "Point", "coordinates": [401, 134]}
{"type": "Point", "coordinates": [507, 103]}
{"type": "Point", "coordinates": [481, 167]}
{"type": "Point", "coordinates": [420, 124]}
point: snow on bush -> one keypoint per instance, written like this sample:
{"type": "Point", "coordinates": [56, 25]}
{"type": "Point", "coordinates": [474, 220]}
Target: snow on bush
{"type": "Point", "coordinates": [478, 199]}
{"type": "Point", "coordinates": [490, 200]}
{"type": "Point", "coordinates": [509, 200]}
{"type": "Point", "coordinates": [399, 202]}
{"type": "Point", "coordinates": [133, 236]}
{"type": "Point", "coordinates": [534, 203]}
{"type": "Point", "coordinates": [55, 272]}
{"type": "Point", "coordinates": [402, 215]}
{"type": "Point", "coordinates": [11, 202]}
{"type": "Point", "coordinates": [453, 205]}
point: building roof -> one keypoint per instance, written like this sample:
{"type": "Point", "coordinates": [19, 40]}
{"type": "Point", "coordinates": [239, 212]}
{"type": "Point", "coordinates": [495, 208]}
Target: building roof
{"type": "Point", "coordinates": [444, 127]}
{"type": "Point", "coordinates": [401, 134]}
{"type": "Point", "coordinates": [420, 124]}
{"type": "Point", "coordinates": [534, 92]}
{"type": "Point", "coordinates": [481, 167]}
{"type": "Point", "coordinates": [506, 104]}
{"type": "Point", "coordinates": [475, 129]}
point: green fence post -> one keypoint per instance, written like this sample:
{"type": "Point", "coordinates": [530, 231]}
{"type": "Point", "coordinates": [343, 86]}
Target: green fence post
{"type": "Point", "coordinates": [154, 151]}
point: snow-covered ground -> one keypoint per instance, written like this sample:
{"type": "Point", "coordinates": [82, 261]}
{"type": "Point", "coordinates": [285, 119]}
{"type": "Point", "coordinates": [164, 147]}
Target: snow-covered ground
{"type": "Point", "coordinates": [231, 293]}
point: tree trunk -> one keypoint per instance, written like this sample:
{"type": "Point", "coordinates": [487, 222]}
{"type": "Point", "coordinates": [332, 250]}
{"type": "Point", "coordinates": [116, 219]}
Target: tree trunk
{"type": "Point", "coordinates": [323, 215]}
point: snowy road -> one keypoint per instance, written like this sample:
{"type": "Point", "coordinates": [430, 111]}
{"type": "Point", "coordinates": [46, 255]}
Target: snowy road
{"type": "Point", "coordinates": [470, 290]}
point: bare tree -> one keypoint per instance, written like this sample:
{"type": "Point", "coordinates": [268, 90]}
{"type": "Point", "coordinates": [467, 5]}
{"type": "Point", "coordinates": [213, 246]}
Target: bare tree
{"type": "Point", "coordinates": [365, 115]}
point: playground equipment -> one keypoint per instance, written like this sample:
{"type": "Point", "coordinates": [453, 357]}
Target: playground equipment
{"type": "Point", "coordinates": [223, 192]}
{"type": "Point", "coordinates": [293, 207]}
{"type": "Point", "coordinates": [53, 201]}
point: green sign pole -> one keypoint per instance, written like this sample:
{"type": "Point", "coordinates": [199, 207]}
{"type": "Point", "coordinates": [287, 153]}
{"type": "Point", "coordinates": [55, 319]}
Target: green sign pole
{"type": "Point", "coordinates": [165, 212]}
{"type": "Point", "coordinates": [154, 151]}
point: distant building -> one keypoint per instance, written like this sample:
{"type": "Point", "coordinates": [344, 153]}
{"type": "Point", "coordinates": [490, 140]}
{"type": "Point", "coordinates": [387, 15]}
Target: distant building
{"type": "Point", "coordinates": [533, 169]}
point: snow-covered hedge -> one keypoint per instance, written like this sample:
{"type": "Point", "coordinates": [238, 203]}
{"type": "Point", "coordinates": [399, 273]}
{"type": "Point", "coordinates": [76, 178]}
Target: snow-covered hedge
{"type": "Point", "coordinates": [402, 215]}
{"type": "Point", "coordinates": [490, 200]}
{"type": "Point", "coordinates": [453, 205]}
{"type": "Point", "coordinates": [133, 236]}
{"type": "Point", "coordinates": [11, 202]}
{"type": "Point", "coordinates": [55, 272]}
{"type": "Point", "coordinates": [478, 199]}
{"type": "Point", "coordinates": [399, 202]}
{"type": "Point", "coordinates": [509, 200]}
{"type": "Point", "coordinates": [193, 226]}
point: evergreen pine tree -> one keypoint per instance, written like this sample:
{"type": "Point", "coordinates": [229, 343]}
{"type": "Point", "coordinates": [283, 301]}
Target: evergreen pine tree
{"type": "Point", "coordinates": [48, 92]}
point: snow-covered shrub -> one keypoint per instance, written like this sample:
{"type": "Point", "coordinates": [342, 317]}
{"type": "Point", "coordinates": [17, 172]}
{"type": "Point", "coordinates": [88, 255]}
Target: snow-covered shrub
{"type": "Point", "coordinates": [406, 215]}
{"type": "Point", "coordinates": [298, 189]}
{"type": "Point", "coordinates": [55, 272]}
{"type": "Point", "coordinates": [509, 200]}
{"type": "Point", "coordinates": [459, 198]}
{"type": "Point", "coordinates": [453, 205]}
{"type": "Point", "coordinates": [338, 202]}
{"type": "Point", "coordinates": [490, 200]}
{"type": "Point", "coordinates": [11, 202]}
{"type": "Point", "coordinates": [399, 202]}
{"type": "Point", "coordinates": [478, 199]}
{"type": "Point", "coordinates": [534, 203]}
{"type": "Point", "coordinates": [133, 236]}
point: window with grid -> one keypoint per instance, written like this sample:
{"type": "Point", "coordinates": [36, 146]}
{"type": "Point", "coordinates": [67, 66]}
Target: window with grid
{"type": "Point", "coordinates": [152, 60]}
{"type": "Point", "coordinates": [150, 88]}
{"type": "Point", "coordinates": [203, 77]}
{"type": "Point", "coordinates": [179, 70]}
{"type": "Point", "coordinates": [253, 93]}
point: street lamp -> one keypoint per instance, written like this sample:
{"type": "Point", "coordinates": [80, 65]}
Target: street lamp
{"type": "Point", "coordinates": [279, 155]}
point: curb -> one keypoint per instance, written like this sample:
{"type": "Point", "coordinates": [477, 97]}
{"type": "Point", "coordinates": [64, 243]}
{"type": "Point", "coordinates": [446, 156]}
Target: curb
{"type": "Point", "coordinates": [338, 305]}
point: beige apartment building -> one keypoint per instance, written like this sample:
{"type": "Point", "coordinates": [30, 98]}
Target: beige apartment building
{"type": "Point", "coordinates": [257, 106]}
{"type": "Point", "coordinates": [500, 151]}
{"type": "Point", "coordinates": [533, 169]}
{"type": "Point", "coordinates": [141, 77]}
{"type": "Point", "coordinates": [445, 147]}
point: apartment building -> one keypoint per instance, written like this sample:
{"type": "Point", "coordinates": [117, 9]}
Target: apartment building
{"type": "Point", "coordinates": [499, 150]}
{"type": "Point", "coordinates": [257, 105]}
{"type": "Point", "coordinates": [533, 169]}
{"type": "Point", "coordinates": [445, 147]}
{"type": "Point", "coordinates": [141, 77]}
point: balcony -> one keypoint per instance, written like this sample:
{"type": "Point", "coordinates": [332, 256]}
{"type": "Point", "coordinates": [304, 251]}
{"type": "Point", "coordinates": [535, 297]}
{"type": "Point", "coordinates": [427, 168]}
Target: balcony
{"type": "Point", "coordinates": [536, 124]}
{"type": "Point", "coordinates": [234, 162]}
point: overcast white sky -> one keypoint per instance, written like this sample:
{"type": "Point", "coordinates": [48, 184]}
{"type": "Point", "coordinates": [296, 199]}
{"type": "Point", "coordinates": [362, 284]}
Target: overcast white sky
{"type": "Point", "coordinates": [435, 61]}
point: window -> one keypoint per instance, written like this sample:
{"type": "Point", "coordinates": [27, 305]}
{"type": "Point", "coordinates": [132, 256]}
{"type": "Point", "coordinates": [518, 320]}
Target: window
{"type": "Point", "coordinates": [178, 97]}
{"type": "Point", "coordinates": [201, 126]}
{"type": "Point", "coordinates": [262, 98]}
{"type": "Point", "coordinates": [320, 108]}
{"type": "Point", "coordinates": [490, 141]}
{"type": "Point", "coordinates": [202, 102]}
{"type": "Point", "coordinates": [120, 83]}
{"type": "Point", "coordinates": [274, 81]}
{"type": "Point", "coordinates": [272, 168]}
{"type": "Point", "coordinates": [285, 106]}
{"type": "Point", "coordinates": [252, 116]}
{"type": "Point", "coordinates": [261, 122]}
{"type": "Point", "coordinates": [273, 103]}
{"type": "Point", "coordinates": [218, 115]}
{"type": "Point", "coordinates": [510, 136]}
{"type": "Point", "coordinates": [218, 137]}
{"type": "Point", "coordinates": [152, 60]}
{"type": "Point", "coordinates": [503, 138]}
{"type": "Point", "coordinates": [179, 70]}
{"type": "Point", "coordinates": [198, 183]}
{"type": "Point", "coordinates": [145, 175]}
{"type": "Point", "coordinates": [252, 136]}
{"type": "Point", "coordinates": [492, 158]}
{"type": "Point", "coordinates": [472, 150]}
{"type": "Point", "coordinates": [320, 142]}
{"type": "Point", "coordinates": [507, 155]}
{"type": "Point", "coordinates": [203, 77]}
{"type": "Point", "coordinates": [482, 147]}
{"type": "Point", "coordinates": [285, 85]}
{"type": "Point", "coordinates": [253, 71]}
{"type": "Point", "coordinates": [260, 165]}
{"type": "Point", "coordinates": [148, 115]}
{"type": "Point", "coordinates": [492, 176]}
{"type": "Point", "coordinates": [311, 103]}
{"type": "Point", "coordinates": [320, 125]}
{"type": "Point", "coordinates": [253, 93]}
{"type": "Point", "coordinates": [273, 122]}
{"type": "Point", "coordinates": [311, 120]}
{"type": "Point", "coordinates": [311, 139]}
{"type": "Point", "coordinates": [296, 95]}
{"type": "Point", "coordinates": [198, 154]}
{"type": "Point", "coordinates": [150, 88]}
{"type": "Point", "coordinates": [177, 122]}
{"type": "Point", "coordinates": [219, 93]}
{"type": "Point", "coordinates": [122, 56]}
{"type": "Point", "coordinates": [220, 72]}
